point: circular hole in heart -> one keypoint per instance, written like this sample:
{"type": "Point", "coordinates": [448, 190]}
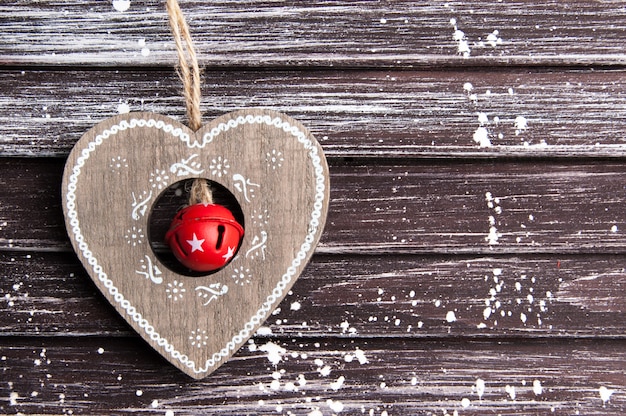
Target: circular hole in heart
{"type": "Point", "coordinates": [165, 208]}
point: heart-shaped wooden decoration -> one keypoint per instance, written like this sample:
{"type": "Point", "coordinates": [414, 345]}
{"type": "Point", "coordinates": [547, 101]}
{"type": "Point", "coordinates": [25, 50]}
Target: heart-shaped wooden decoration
{"type": "Point", "coordinates": [271, 164]}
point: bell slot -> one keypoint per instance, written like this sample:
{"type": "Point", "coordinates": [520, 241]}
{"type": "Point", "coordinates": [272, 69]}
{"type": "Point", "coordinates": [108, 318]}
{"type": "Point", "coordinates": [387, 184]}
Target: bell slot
{"type": "Point", "coordinates": [220, 236]}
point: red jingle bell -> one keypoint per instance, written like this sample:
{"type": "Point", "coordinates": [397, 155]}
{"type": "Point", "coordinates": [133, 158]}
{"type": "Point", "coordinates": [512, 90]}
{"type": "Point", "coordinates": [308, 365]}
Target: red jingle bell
{"type": "Point", "coordinates": [204, 237]}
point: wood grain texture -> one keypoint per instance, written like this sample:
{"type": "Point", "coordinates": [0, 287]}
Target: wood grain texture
{"type": "Point", "coordinates": [117, 376]}
{"type": "Point", "coordinates": [320, 33]}
{"type": "Point", "coordinates": [443, 263]}
{"type": "Point", "coordinates": [391, 206]}
{"type": "Point", "coordinates": [533, 296]}
{"type": "Point", "coordinates": [368, 113]}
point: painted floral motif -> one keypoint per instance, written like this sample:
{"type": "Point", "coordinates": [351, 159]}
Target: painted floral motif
{"type": "Point", "coordinates": [175, 290]}
{"type": "Point", "coordinates": [117, 163]}
{"type": "Point", "coordinates": [159, 179]}
{"type": "Point", "coordinates": [211, 292]}
{"type": "Point", "coordinates": [140, 204]}
{"type": "Point", "coordinates": [245, 186]}
{"type": "Point", "coordinates": [219, 166]}
{"type": "Point", "coordinates": [274, 159]}
{"type": "Point", "coordinates": [187, 167]}
{"type": "Point", "coordinates": [241, 276]}
{"type": "Point", "coordinates": [134, 236]}
{"type": "Point", "coordinates": [150, 270]}
{"type": "Point", "coordinates": [198, 338]}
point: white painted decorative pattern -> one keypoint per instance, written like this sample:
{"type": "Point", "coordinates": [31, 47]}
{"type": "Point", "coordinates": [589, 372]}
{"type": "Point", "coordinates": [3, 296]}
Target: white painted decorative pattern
{"type": "Point", "coordinates": [277, 292]}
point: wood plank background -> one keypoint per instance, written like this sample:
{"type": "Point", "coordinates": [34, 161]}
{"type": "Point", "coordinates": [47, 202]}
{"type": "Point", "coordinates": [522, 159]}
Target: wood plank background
{"type": "Point", "coordinates": [473, 258]}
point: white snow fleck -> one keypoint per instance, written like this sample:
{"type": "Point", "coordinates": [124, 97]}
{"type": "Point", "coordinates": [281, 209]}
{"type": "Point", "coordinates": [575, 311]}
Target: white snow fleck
{"type": "Point", "coordinates": [465, 402]}
{"type": "Point", "coordinates": [295, 306]}
{"type": "Point", "coordinates": [13, 398]}
{"type": "Point", "coordinates": [494, 39]}
{"type": "Point", "coordinates": [145, 51]}
{"type": "Point", "coordinates": [123, 108]}
{"type": "Point", "coordinates": [487, 313]}
{"type": "Point", "coordinates": [101, 350]}
{"type": "Point", "coordinates": [169, 413]}
{"type": "Point", "coordinates": [335, 405]}
{"type": "Point", "coordinates": [154, 404]}
{"type": "Point", "coordinates": [264, 330]}
{"type": "Point", "coordinates": [481, 136]}
{"type": "Point", "coordinates": [360, 355]}
{"type": "Point", "coordinates": [521, 124]}
{"type": "Point", "coordinates": [121, 5]}
{"type": "Point", "coordinates": [614, 229]}
{"type": "Point", "coordinates": [337, 384]}
{"type": "Point", "coordinates": [274, 352]}
{"type": "Point", "coordinates": [605, 394]}
{"type": "Point", "coordinates": [468, 87]}
{"type": "Point", "coordinates": [522, 317]}
{"type": "Point", "coordinates": [480, 388]}
{"type": "Point", "coordinates": [537, 389]}
{"type": "Point", "coordinates": [450, 316]}
{"type": "Point", "coordinates": [139, 393]}
{"type": "Point", "coordinates": [510, 391]}
{"type": "Point", "coordinates": [324, 371]}
{"type": "Point", "coordinates": [315, 412]}
{"type": "Point", "coordinates": [483, 119]}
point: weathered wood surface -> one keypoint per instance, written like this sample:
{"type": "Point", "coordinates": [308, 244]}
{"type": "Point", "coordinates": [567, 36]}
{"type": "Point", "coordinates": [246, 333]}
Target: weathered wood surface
{"type": "Point", "coordinates": [49, 294]}
{"type": "Point", "coordinates": [443, 263]}
{"type": "Point", "coordinates": [395, 206]}
{"type": "Point", "coordinates": [331, 376]}
{"type": "Point", "coordinates": [368, 113]}
{"type": "Point", "coordinates": [319, 33]}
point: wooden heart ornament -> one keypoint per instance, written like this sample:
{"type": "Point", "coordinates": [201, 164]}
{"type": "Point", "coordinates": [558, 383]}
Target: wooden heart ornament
{"type": "Point", "coordinates": [272, 165]}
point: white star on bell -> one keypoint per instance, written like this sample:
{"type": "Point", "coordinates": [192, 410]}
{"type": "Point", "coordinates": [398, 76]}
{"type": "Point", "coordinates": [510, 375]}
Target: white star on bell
{"type": "Point", "coordinates": [196, 244]}
{"type": "Point", "coordinates": [229, 254]}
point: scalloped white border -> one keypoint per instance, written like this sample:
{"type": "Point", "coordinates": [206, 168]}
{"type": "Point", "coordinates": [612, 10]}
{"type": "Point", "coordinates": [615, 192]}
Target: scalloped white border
{"type": "Point", "coordinates": [176, 132]}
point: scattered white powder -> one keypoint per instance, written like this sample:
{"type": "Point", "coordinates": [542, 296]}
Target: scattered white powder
{"type": "Point", "coordinates": [450, 316]}
{"type": "Point", "coordinates": [605, 394]}
{"type": "Point", "coordinates": [335, 405]}
{"type": "Point", "coordinates": [337, 384]}
{"type": "Point", "coordinates": [521, 124]}
{"type": "Point", "coordinates": [481, 136]}
{"type": "Point", "coordinates": [360, 355]}
{"type": "Point", "coordinates": [123, 108]}
{"type": "Point", "coordinates": [264, 330]}
{"type": "Point", "coordinates": [121, 5]}
{"type": "Point", "coordinates": [459, 36]}
{"type": "Point", "coordinates": [510, 391]}
{"type": "Point", "coordinates": [537, 389]}
{"type": "Point", "coordinates": [494, 39]}
{"type": "Point", "coordinates": [274, 352]}
{"type": "Point", "coordinates": [480, 388]}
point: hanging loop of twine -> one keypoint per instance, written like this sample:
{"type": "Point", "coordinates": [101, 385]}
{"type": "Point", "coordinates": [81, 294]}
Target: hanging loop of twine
{"type": "Point", "coordinates": [189, 73]}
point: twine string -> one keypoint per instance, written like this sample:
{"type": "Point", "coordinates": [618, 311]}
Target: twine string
{"type": "Point", "coordinates": [189, 73]}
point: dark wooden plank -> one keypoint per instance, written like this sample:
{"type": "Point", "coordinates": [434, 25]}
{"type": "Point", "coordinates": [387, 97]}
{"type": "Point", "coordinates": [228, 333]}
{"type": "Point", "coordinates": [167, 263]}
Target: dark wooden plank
{"type": "Point", "coordinates": [361, 296]}
{"type": "Point", "coordinates": [352, 113]}
{"type": "Point", "coordinates": [421, 207]}
{"type": "Point", "coordinates": [322, 33]}
{"type": "Point", "coordinates": [121, 376]}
